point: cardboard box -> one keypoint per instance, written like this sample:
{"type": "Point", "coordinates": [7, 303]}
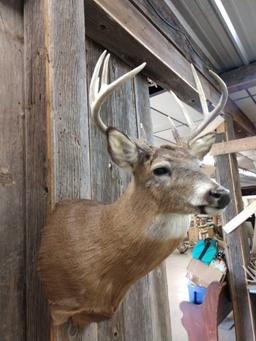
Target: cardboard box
{"type": "Point", "coordinates": [207, 232]}
{"type": "Point", "coordinates": [193, 234]}
{"type": "Point", "coordinates": [202, 275]}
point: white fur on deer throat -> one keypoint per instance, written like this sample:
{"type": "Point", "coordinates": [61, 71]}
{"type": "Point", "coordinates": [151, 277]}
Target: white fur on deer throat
{"type": "Point", "coordinates": [169, 226]}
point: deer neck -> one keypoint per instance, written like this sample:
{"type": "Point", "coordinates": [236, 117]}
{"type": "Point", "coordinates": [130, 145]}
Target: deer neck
{"type": "Point", "coordinates": [138, 211]}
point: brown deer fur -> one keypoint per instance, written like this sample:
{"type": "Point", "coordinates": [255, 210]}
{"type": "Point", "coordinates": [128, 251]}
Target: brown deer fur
{"type": "Point", "coordinates": [91, 253]}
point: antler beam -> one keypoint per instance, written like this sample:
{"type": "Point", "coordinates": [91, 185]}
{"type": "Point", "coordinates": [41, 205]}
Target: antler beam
{"type": "Point", "coordinates": [208, 116]}
{"type": "Point", "coordinates": [100, 89]}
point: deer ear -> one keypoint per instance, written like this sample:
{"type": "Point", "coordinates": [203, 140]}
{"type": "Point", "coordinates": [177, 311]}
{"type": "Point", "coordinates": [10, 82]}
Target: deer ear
{"type": "Point", "coordinates": [202, 145]}
{"type": "Point", "coordinates": [122, 149]}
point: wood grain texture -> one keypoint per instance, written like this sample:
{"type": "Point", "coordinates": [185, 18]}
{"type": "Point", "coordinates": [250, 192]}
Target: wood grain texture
{"type": "Point", "coordinates": [235, 146]}
{"type": "Point", "coordinates": [236, 242]}
{"type": "Point", "coordinates": [68, 142]}
{"type": "Point", "coordinates": [37, 319]}
{"type": "Point", "coordinates": [161, 322]}
{"type": "Point", "coordinates": [68, 100]}
{"type": "Point", "coordinates": [12, 175]}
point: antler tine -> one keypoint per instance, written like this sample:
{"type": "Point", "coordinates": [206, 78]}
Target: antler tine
{"type": "Point", "coordinates": [104, 76]}
{"type": "Point", "coordinates": [200, 90]}
{"type": "Point", "coordinates": [100, 89]}
{"type": "Point", "coordinates": [94, 87]}
{"type": "Point", "coordinates": [190, 123]}
{"type": "Point", "coordinates": [219, 107]}
{"type": "Point", "coordinates": [142, 132]}
{"type": "Point", "coordinates": [174, 131]}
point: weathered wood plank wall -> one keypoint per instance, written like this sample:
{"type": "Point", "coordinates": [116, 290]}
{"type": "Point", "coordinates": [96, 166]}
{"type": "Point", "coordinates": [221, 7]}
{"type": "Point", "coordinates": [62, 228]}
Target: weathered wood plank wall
{"type": "Point", "coordinates": [68, 142]}
{"type": "Point", "coordinates": [50, 150]}
{"type": "Point", "coordinates": [79, 165]}
{"type": "Point", "coordinates": [37, 316]}
{"type": "Point", "coordinates": [67, 100]}
{"type": "Point", "coordinates": [139, 317]}
{"type": "Point", "coordinates": [12, 177]}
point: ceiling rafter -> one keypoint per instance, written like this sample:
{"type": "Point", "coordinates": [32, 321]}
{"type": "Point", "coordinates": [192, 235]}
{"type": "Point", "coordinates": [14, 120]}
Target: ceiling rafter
{"type": "Point", "coordinates": [240, 78]}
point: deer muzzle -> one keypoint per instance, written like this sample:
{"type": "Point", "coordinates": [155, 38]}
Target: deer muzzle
{"type": "Point", "coordinates": [219, 197]}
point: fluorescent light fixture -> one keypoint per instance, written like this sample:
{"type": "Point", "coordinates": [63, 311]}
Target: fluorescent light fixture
{"type": "Point", "coordinates": [237, 42]}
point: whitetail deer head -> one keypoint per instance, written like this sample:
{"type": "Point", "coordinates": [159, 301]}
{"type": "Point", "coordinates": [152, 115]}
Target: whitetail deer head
{"type": "Point", "coordinates": [92, 253]}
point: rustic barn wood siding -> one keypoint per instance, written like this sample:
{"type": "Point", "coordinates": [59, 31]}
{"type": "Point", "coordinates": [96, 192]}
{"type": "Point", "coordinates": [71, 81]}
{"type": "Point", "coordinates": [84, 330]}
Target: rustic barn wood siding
{"type": "Point", "coordinates": [50, 150]}
{"type": "Point", "coordinates": [35, 100]}
{"type": "Point", "coordinates": [144, 315]}
{"type": "Point", "coordinates": [12, 179]}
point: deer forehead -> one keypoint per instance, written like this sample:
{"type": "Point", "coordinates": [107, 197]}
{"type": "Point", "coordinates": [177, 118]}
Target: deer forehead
{"type": "Point", "coordinates": [173, 152]}
{"type": "Point", "coordinates": [166, 155]}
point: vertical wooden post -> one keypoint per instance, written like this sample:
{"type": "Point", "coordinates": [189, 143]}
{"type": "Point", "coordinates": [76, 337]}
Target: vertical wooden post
{"type": "Point", "coordinates": [37, 317]}
{"type": "Point", "coordinates": [68, 141]}
{"type": "Point", "coordinates": [236, 242]}
{"type": "Point", "coordinates": [12, 175]}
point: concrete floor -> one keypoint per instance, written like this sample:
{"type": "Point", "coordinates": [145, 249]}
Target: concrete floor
{"type": "Point", "coordinates": [177, 287]}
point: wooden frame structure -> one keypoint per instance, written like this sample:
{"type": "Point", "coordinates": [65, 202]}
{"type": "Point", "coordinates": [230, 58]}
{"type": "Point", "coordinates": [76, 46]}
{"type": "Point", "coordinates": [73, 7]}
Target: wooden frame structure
{"type": "Point", "coordinates": [236, 243]}
{"type": "Point", "coordinates": [48, 154]}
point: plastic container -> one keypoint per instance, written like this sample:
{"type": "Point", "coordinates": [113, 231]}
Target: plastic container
{"type": "Point", "coordinates": [196, 294]}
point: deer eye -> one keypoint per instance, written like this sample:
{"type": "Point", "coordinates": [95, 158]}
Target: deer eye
{"type": "Point", "coordinates": [162, 171]}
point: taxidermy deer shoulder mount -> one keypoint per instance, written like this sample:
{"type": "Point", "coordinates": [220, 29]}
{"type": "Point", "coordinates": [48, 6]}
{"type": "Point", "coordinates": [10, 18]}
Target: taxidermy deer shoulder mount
{"type": "Point", "coordinates": [91, 253]}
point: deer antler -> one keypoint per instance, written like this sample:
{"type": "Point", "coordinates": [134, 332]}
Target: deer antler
{"type": "Point", "coordinates": [100, 89]}
{"type": "Point", "coordinates": [208, 116]}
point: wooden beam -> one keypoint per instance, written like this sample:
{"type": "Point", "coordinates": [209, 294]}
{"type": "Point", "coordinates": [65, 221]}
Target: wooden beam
{"type": "Point", "coordinates": [240, 78]}
{"type": "Point", "coordinates": [121, 28]}
{"type": "Point", "coordinates": [240, 118]}
{"type": "Point", "coordinates": [240, 218]}
{"type": "Point", "coordinates": [234, 146]}
{"type": "Point", "coordinates": [246, 163]}
{"type": "Point", "coordinates": [160, 14]}
{"type": "Point", "coordinates": [236, 243]}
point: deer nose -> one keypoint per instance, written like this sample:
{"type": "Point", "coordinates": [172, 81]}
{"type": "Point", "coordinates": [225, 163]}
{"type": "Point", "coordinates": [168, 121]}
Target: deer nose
{"type": "Point", "coordinates": [220, 197]}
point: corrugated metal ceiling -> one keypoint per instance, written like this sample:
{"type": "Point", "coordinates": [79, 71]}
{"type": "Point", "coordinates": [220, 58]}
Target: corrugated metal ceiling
{"type": "Point", "coordinates": [203, 21]}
